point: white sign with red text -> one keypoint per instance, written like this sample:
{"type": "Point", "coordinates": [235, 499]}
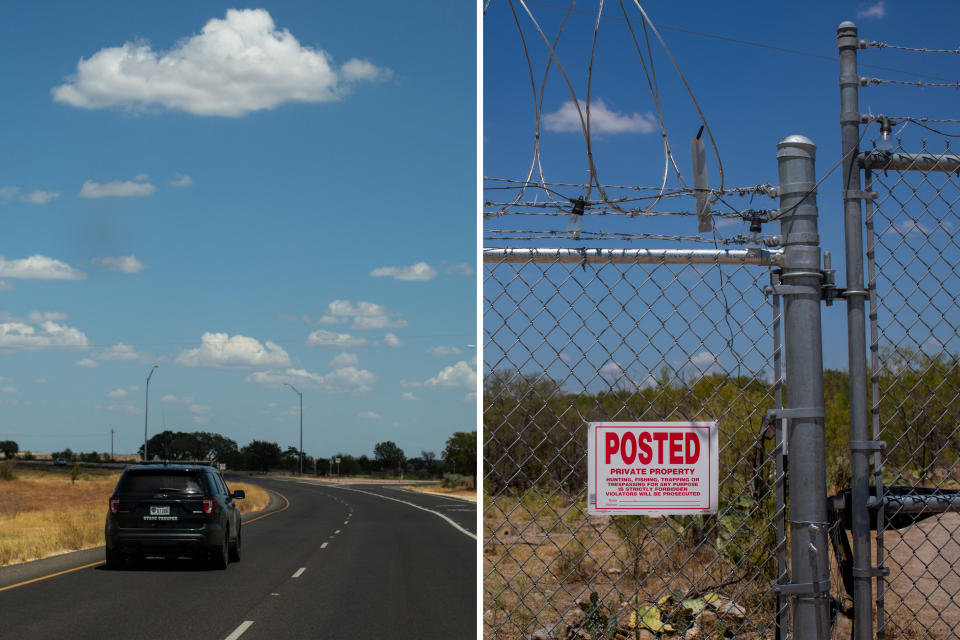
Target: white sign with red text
{"type": "Point", "coordinates": [652, 468]}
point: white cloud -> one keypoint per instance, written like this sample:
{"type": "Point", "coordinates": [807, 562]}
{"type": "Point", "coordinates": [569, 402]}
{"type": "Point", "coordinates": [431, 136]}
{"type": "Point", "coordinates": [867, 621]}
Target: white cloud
{"type": "Point", "coordinates": [458, 376]}
{"type": "Point", "coordinates": [566, 119]}
{"type": "Point", "coordinates": [87, 362]}
{"type": "Point", "coordinates": [323, 338]}
{"type": "Point", "coordinates": [703, 360]}
{"type": "Point", "coordinates": [461, 269]}
{"type": "Point", "coordinates": [222, 351]}
{"type": "Point", "coordinates": [443, 351]}
{"type": "Point", "coordinates": [119, 351]}
{"type": "Point", "coordinates": [877, 10]}
{"type": "Point", "coordinates": [470, 397]}
{"type": "Point", "coordinates": [38, 267]}
{"type": "Point", "coordinates": [5, 286]}
{"type": "Point", "coordinates": [116, 189]}
{"type": "Point", "coordinates": [40, 335]}
{"type": "Point", "coordinates": [184, 400]}
{"type": "Point", "coordinates": [344, 359]}
{"type": "Point", "coordinates": [408, 395]}
{"type": "Point", "coordinates": [117, 393]}
{"type": "Point", "coordinates": [37, 317]}
{"type": "Point", "coordinates": [10, 193]}
{"type": "Point", "coordinates": [391, 340]}
{"type": "Point", "coordinates": [200, 409]}
{"type": "Point", "coordinates": [235, 65]}
{"type": "Point", "coordinates": [125, 408]}
{"type": "Point", "coordinates": [41, 381]}
{"type": "Point", "coordinates": [140, 177]}
{"type": "Point", "coordinates": [365, 315]}
{"type": "Point", "coordinates": [41, 197]}
{"type": "Point", "coordinates": [343, 380]}
{"type": "Point", "coordinates": [369, 415]}
{"type": "Point", "coordinates": [416, 272]}
{"type": "Point", "coordinates": [126, 264]}
{"type": "Point", "coordinates": [181, 181]}
{"type": "Point", "coordinates": [9, 389]}
{"type": "Point", "coordinates": [200, 420]}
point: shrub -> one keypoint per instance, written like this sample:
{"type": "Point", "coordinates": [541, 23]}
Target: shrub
{"type": "Point", "coordinates": [457, 481]}
{"type": "Point", "coordinates": [7, 472]}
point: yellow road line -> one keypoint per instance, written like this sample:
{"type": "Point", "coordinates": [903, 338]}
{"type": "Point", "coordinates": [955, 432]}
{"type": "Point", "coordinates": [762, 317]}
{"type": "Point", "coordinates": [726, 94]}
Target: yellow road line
{"type": "Point", "coordinates": [94, 564]}
{"type": "Point", "coordinates": [285, 507]}
{"type": "Point", "coordinates": [52, 575]}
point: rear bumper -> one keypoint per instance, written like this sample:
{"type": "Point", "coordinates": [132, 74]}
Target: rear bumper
{"type": "Point", "coordinates": [167, 541]}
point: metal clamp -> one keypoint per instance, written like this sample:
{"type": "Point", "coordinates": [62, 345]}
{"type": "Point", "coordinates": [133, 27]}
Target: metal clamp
{"type": "Point", "coordinates": [867, 445]}
{"type": "Point", "coordinates": [795, 413]}
{"type": "Point", "coordinates": [871, 572]}
{"type": "Point", "coordinates": [856, 194]}
{"type": "Point", "coordinates": [803, 588]}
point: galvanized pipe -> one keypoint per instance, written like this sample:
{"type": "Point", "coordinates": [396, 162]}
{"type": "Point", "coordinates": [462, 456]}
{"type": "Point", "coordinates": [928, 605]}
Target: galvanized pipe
{"type": "Point", "coordinates": [758, 257]}
{"type": "Point", "coordinates": [847, 42]}
{"type": "Point", "coordinates": [803, 351]}
{"type": "Point", "coordinates": [881, 161]}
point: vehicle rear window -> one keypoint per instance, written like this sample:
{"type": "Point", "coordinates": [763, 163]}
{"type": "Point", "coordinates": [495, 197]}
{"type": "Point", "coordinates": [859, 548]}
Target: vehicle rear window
{"type": "Point", "coordinates": [162, 481]}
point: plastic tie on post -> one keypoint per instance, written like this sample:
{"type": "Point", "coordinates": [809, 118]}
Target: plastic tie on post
{"type": "Point", "coordinates": [799, 412]}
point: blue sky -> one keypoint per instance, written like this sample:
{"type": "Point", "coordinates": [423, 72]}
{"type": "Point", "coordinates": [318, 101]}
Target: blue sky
{"type": "Point", "coordinates": [753, 96]}
{"type": "Point", "coordinates": [245, 196]}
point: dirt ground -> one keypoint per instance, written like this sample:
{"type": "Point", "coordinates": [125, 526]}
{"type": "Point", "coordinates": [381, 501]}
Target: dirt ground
{"type": "Point", "coordinates": [924, 584]}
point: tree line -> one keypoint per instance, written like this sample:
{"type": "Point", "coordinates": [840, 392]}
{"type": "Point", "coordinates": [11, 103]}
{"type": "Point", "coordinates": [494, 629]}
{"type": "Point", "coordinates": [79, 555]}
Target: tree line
{"type": "Point", "coordinates": [458, 456]}
{"type": "Point", "coordinates": [535, 434]}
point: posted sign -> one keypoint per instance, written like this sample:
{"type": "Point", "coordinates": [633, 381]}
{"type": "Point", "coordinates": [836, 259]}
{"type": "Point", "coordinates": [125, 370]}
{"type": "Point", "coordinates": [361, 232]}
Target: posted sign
{"type": "Point", "coordinates": [652, 468]}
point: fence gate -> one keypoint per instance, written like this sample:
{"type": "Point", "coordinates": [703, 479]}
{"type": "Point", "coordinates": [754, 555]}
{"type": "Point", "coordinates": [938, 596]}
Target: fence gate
{"type": "Point", "coordinates": [574, 336]}
{"type": "Point", "coordinates": [908, 500]}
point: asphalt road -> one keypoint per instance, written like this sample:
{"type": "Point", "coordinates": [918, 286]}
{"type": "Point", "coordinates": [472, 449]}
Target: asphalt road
{"type": "Point", "coordinates": [336, 562]}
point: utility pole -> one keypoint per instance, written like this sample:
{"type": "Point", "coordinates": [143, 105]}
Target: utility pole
{"type": "Point", "coordinates": [301, 423]}
{"type": "Point", "coordinates": [146, 412]}
{"type": "Point", "coordinates": [111, 445]}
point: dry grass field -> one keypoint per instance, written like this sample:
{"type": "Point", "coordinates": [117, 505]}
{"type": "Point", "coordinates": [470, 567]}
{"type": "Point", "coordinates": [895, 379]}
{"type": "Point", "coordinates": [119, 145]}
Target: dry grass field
{"type": "Point", "coordinates": [43, 512]}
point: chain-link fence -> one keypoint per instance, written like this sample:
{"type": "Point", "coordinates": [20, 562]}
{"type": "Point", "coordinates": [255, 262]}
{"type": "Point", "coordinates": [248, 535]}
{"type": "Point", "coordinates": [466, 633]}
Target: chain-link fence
{"type": "Point", "coordinates": [913, 229]}
{"type": "Point", "coordinates": [911, 197]}
{"type": "Point", "coordinates": [567, 344]}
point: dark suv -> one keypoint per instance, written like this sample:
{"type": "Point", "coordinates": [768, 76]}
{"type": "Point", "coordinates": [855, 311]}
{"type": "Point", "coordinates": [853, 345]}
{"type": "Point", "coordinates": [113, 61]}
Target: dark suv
{"type": "Point", "coordinates": [173, 510]}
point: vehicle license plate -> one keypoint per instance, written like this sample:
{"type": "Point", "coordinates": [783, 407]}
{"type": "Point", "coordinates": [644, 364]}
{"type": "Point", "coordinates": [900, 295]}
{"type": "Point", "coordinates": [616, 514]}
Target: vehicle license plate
{"type": "Point", "coordinates": [159, 511]}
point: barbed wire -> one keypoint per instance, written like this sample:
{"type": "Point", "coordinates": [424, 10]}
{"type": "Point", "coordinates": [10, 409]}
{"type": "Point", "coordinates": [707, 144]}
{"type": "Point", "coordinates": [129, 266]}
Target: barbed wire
{"type": "Point", "coordinates": [899, 47]}
{"type": "Point", "coordinates": [639, 212]}
{"type": "Point", "coordinates": [913, 83]}
{"type": "Point", "coordinates": [529, 234]}
{"type": "Point", "coordinates": [763, 188]}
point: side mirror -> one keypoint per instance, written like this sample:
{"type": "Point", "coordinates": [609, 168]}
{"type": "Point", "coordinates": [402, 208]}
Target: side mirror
{"type": "Point", "coordinates": [238, 494]}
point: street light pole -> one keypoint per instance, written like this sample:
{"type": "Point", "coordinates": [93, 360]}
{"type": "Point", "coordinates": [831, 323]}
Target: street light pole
{"type": "Point", "coordinates": [146, 411]}
{"type": "Point", "coordinates": [301, 423]}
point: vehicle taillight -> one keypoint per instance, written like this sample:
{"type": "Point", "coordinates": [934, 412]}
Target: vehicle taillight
{"type": "Point", "coordinates": [208, 505]}
{"type": "Point", "coordinates": [114, 504]}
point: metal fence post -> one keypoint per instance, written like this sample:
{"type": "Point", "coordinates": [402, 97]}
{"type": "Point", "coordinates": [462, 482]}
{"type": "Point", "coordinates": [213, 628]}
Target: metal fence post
{"type": "Point", "coordinates": [848, 43]}
{"type": "Point", "coordinates": [801, 292]}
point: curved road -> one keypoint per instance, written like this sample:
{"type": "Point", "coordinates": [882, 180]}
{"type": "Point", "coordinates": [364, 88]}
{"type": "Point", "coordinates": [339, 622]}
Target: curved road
{"type": "Point", "coordinates": [329, 561]}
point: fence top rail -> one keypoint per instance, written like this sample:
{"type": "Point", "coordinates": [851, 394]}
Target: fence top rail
{"type": "Point", "coordinates": [753, 256]}
{"type": "Point", "coordinates": [899, 161]}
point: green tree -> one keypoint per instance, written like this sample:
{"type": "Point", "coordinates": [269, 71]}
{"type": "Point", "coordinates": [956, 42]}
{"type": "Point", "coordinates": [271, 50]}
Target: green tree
{"type": "Point", "coordinates": [9, 448]}
{"type": "Point", "coordinates": [388, 455]}
{"type": "Point", "coordinates": [261, 455]}
{"type": "Point", "coordinates": [461, 452]}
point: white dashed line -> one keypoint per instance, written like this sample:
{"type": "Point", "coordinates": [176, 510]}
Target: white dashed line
{"type": "Point", "coordinates": [336, 532]}
{"type": "Point", "coordinates": [345, 521]}
{"type": "Point", "coordinates": [324, 545]}
{"type": "Point", "coordinates": [299, 572]}
{"type": "Point", "coordinates": [246, 624]}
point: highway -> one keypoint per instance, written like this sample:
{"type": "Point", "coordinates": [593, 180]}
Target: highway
{"type": "Point", "coordinates": [325, 561]}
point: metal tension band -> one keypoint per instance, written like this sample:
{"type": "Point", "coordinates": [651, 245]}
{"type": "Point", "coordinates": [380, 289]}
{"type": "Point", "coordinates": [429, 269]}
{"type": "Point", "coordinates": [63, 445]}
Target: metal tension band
{"type": "Point", "coordinates": [856, 194]}
{"type": "Point", "coordinates": [852, 117]}
{"type": "Point", "coordinates": [803, 588]}
{"type": "Point", "coordinates": [795, 290]}
{"type": "Point", "coordinates": [799, 412]}
{"type": "Point", "coordinates": [867, 445]}
{"type": "Point", "coordinates": [871, 572]}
